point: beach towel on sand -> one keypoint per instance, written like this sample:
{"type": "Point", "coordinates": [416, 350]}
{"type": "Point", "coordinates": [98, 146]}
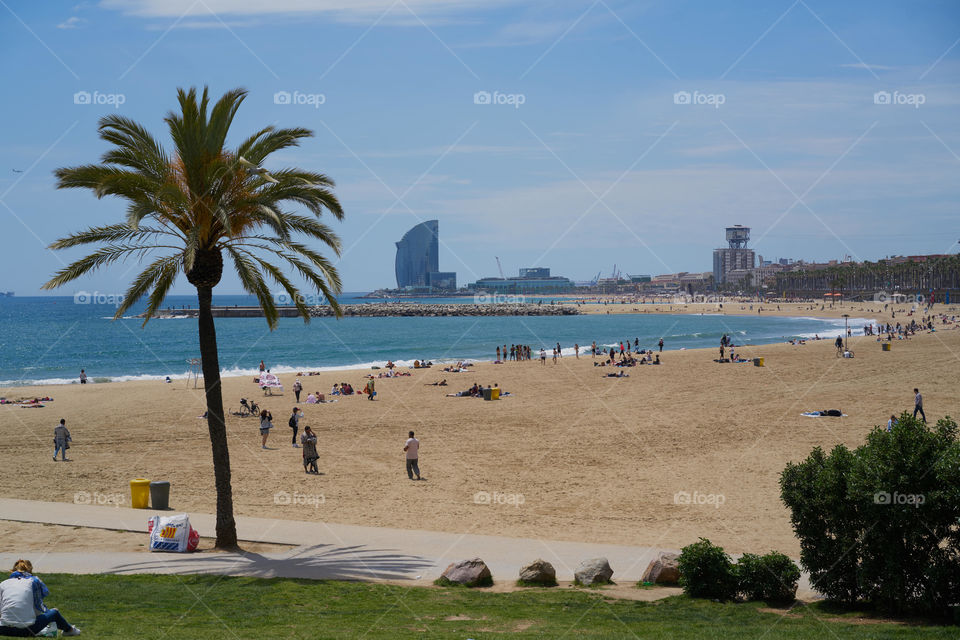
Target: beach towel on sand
{"type": "Point", "coordinates": [828, 413]}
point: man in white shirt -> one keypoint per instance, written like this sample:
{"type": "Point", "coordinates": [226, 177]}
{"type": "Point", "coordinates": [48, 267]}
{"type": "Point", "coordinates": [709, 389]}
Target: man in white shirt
{"type": "Point", "coordinates": [412, 448]}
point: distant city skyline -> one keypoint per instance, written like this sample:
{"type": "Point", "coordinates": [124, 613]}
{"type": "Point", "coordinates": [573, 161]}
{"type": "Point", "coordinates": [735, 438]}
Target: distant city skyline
{"type": "Point", "coordinates": [574, 136]}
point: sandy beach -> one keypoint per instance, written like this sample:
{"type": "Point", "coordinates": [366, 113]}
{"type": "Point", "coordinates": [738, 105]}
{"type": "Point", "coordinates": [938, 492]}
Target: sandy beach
{"type": "Point", "coordinates": [569, 455]}
{"type": "Point", "coordinates": [875, 310]}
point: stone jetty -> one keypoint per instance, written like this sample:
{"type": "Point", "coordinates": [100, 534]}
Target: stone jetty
{"type": "Point", "coordinates": [388, 310]}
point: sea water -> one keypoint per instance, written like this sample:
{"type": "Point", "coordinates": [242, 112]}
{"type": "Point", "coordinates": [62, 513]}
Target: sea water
{"type": "Point", "coordinates": [47, 340]}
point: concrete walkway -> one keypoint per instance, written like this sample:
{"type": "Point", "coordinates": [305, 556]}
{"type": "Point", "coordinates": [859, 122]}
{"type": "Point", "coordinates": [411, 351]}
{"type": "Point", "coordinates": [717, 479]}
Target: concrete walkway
{"type": "Point", "coordinates": [329, 551]}
{"type": "Point", "coordinates": [322, 550]}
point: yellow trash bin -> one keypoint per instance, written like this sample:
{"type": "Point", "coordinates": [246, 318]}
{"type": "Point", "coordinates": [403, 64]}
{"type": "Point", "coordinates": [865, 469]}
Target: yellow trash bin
{"type": "Point", "coordinates": [885, 346]}
{"type": "Point", "coordinates": [758, 362]}
{"type": "Point", "coordinates": [495, 393]}
{"type": "Point", "coordinates": [139, 493]}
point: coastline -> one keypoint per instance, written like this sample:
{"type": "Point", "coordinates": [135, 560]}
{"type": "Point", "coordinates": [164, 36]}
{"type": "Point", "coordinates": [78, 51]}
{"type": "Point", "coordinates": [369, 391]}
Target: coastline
{"type": "Point", "coordinates": [595, 458]}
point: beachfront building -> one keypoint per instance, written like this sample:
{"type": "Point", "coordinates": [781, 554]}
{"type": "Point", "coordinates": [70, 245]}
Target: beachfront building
{"type": "Point", "coordinates": [735, 257]}
{"type": "Point", "coordinates": [443, 280]}
{"type": "Point", "coordinates": [418, 255]}
{"type": "Point", "coordinates": [531, 280]}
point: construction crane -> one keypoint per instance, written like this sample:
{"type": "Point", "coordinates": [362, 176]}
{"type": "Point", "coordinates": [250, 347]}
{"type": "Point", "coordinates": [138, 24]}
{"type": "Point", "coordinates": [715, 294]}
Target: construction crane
{"type": "Point", "coordinates": [616, 274]}
{"type": "Point", "coordinates": [500, 268]}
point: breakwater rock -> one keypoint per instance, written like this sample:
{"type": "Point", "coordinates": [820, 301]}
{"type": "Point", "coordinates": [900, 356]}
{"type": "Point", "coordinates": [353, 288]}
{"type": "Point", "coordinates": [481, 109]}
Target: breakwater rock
{"type": "Point", "coordinates": [385, 310]}
{"type": "Point", "coordinates": [405, 309]}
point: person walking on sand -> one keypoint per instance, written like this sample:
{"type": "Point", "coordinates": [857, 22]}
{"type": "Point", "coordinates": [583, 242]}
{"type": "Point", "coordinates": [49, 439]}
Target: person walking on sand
{"type": "Point", "coordinates": [576, 350]}
{"type": "Point", "coordinates": [310, 456]}
{"type": "Point", "coordinates": [22, 612]}
{"type": "Point", "coordinates": [543, 356]}
{"type": "Point", "coordinates": [297, 388]}
{"type": "Point", "coordinates": [498, 353]}
{"type": "Point", "coordinates": [892, 421]}
{"type": "Point", "coordinates": [412, 449]}
{"type": "Point", "coordinates": [263, 367]}
{"type": "Point", "coordinates": [294, 423]}
{"type": "Point", "coordinates": [839, 345]}
{"type": "Point", "coordinates": [61, 438]}
{"type": "Point", "coordinates": [918, 405]}
{"type": "Point", "coordinates": [266, 423]}
{"type": "Point", "coordinates": [661, 345]}
{"type": "Point", "coordinates": [370, 389]}
{"type": "Point", "coordinates": [83, 376]}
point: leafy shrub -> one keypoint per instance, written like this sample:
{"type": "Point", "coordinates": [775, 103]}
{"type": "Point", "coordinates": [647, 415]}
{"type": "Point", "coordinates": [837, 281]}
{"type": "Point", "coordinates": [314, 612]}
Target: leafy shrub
{"type": "Point", "coordinates": [879, 524]}
{"type": "Point", "coordinates": [707, 572]}
{"type": "Point", "coordinates": [771, 578]}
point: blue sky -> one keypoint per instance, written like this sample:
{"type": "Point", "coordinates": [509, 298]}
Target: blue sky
{"type": "Point", "coordinates": [604, 161]}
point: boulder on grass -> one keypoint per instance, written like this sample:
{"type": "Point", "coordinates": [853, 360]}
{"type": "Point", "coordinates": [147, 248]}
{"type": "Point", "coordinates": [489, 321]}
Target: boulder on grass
{"type": "Point", "coordinates": [469, 573]}
{"type": "Point", "coordinates": [593, 571]}
{"type": "Point", "coordinates": [539, 572]}
{"type": "Point", "coordinates": [662, 570]}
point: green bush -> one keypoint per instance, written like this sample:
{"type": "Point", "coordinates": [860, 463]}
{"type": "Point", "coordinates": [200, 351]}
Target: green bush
{"type": "Point", "coordinates": [879, 524]}
{"type": "Point", "coordinates": [707, 572]}
{"type": "Point", "coordinates": [771, 578]}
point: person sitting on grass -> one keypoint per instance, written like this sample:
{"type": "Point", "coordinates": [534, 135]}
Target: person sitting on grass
{"type": "Point", "coordinates": [22, 612]}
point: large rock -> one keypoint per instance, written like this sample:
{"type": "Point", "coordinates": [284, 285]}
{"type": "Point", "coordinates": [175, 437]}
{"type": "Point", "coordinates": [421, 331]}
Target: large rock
{"type": "Point", "coordinates": [539, 572]}
{"type": "Point", "coordinates": [470, 573]}
{"type": "Point", "coordinates": [593, 571]}
{"type": "Point", "coordinates": [662, 570]}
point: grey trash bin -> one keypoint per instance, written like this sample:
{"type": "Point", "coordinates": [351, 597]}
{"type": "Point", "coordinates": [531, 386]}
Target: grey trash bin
{"type": "Point", "coordinates": [488, 393]}
{"type": "Point", "coordinates": [160, 495]}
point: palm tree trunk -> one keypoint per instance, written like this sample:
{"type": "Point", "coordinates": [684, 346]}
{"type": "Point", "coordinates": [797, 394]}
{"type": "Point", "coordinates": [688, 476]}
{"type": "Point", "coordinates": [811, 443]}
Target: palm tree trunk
{"type": "Point", "coordinates": [210, 363]}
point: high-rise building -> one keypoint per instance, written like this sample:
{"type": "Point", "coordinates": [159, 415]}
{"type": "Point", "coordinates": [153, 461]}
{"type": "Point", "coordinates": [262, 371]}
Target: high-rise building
{"type": "Point", "coordinates": [418, 255]}
{"type": "Point", "coordinates": [736, 256]}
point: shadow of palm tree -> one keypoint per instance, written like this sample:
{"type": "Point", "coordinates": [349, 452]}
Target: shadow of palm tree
{"type": "Point", "coordinates": [328, 562]}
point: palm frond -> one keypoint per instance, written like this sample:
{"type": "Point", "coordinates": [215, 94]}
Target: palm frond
{"type": "Point", "coordinates": [274, 140]}
{"type": "Point", "coordinates": [288, 286]}
{"type": "Point", "coordinates": [252, 282]}
{"type": "Point", "coordinates": [100, 258]}
{"type": "Point", "coordinates": [149, 277]}
{"type": "Point", "coordinates": [111, 233]}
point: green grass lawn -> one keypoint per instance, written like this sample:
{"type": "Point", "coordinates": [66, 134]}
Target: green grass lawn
{"type": "Point", "coordinates": [197, 607]}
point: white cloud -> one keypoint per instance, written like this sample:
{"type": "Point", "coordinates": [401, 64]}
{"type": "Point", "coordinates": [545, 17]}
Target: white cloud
{"type": "Point", "coordinates": [342, 9]}
{"type": "Point", "coordinates": [868, 67]}
{"type": "Point", "coordinates": [71, 23]}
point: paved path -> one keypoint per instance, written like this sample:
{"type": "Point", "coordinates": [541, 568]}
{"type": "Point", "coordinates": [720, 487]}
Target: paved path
{"type": "Point", "coordinates": [333, 551]}
{"type": "Point", "coordinates": [322, 550]}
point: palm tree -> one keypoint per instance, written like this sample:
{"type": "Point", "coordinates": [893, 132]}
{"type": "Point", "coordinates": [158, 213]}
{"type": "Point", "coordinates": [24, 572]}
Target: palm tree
{"type": "Point", "coordinates": [192, 208]}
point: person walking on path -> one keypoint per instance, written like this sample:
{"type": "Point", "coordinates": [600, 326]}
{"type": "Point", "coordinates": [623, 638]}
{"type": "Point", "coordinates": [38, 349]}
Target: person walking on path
{"type": "Point", "coordinates": [918, 405]}
{"type": "Point", "coordinates": [266, 423]}
{"type": "Point", "coordinates": [412, 449]}
{"type": "Point", "coordinates": [22, 612]}
{"type": "Point", "coordinates": [61, 438]}
{"type": "Point", "coordinates": [83, 376]}
{"type": "Point", "coordinates": [297, 388]}
{"type": "Point", "coordinates": [294, 424]}
{"type": "Point", "coordinates": [661, 345]}
{"type": "Point", "coordinates": [310, 456]}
